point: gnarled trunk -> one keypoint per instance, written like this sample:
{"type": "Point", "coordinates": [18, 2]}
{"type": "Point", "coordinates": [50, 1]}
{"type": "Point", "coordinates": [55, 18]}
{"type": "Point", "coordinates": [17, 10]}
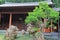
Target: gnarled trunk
{"type": "Point", "coordinates": [41, 37]}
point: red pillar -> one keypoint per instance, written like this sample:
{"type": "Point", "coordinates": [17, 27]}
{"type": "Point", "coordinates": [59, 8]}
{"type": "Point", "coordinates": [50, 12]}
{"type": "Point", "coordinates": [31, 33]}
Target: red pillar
{"type": "Point", "coordinates": [10, 19]}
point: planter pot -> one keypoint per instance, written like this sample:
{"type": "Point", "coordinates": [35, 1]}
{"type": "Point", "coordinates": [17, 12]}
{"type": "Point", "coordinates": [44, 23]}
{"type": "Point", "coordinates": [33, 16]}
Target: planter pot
{"type": "Point", "coordinates": [47, 30]}
{"type": "Point", "coordinates": [38, 30]}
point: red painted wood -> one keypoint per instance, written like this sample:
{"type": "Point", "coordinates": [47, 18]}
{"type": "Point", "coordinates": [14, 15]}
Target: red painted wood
{"type": "Point", "coordinates": [10, 21]}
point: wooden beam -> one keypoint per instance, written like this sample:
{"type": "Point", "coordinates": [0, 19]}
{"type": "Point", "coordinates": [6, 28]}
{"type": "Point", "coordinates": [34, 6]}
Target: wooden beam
{"type": "Point", "coordinates": [10, 20]}
{"type": "Point", "coordinates": [14, 12]}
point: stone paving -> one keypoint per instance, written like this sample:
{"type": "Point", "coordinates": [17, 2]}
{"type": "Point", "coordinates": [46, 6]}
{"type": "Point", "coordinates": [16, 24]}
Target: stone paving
{"type": "Point", "coordinates": [53, 35]}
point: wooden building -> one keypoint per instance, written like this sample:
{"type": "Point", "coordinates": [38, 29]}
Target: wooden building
{"type": "Point", "coordinates": [15, 14]}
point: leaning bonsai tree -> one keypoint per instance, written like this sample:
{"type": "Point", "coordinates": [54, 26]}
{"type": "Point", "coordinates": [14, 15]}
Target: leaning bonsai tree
{"type": "Point", "coordinates": [40, 13]}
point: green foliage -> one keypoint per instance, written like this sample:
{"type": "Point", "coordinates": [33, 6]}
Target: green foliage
{"type": "Point", "coordinates": [54, 15]}
{"type": "Point", "coordinates": [43, 11]}
{"type": "Point", "coordinates": [31, 18]}
{"type": "Point", "coordinates": [35, 29]}
{"type": "Point", "coordinates": [2, 1]}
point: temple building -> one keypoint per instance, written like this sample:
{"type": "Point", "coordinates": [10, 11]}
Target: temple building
{"type": "Point", "coordinates": [14, 13]}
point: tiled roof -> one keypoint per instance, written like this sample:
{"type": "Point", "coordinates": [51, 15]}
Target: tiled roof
{"type": "Point", "coordinates": [21, 4]}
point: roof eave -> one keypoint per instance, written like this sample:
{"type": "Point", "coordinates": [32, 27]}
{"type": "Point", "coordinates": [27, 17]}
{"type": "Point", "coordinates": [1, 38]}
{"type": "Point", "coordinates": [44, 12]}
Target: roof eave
{"type": "Point", "coordinates": [22, 4]}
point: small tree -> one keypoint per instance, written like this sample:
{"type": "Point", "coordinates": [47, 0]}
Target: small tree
{"type": "Point", "coordinates": [43, 11]}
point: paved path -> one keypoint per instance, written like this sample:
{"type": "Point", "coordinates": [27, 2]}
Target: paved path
{"type": "Point", "coordinates": [53, 35]}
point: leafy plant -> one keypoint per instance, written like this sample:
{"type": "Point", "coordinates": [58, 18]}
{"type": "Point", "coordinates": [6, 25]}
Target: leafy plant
{"type": "Point", "coordinates": [43, 11]}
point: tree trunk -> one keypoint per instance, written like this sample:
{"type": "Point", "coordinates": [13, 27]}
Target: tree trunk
{"type": "Point", "coordinates": [45, 20]}
{"type": "Point", "coordinates": [41, 37]}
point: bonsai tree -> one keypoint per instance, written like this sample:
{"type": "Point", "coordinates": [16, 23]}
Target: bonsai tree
{"type": "Point", "coordinates": [40, 13]}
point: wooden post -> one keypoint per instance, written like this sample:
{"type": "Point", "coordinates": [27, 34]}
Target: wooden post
{"type": "Point", "coordinates": [10, 19]}
{"type": "Point", "coordinates": [0, 19]}
{"type": "Point", "coordinates": [58, 25]}
{"type": "Point", "coordinates": [51, 25]}
{"type": "Point", "coordinates": [0, 15]}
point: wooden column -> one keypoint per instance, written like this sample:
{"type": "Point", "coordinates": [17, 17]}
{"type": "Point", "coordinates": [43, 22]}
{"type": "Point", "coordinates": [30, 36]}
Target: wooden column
{"type": "Point", "coordinates": [0, 15]}
{"type": "Point", "coordinates": [0, 19]}
{"type": "Point", "coordinates": [10, 19]}
{"type": "Point", "coordinates": [58, 24]}
{"type": "Point", "coordinates": [51, 26]}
